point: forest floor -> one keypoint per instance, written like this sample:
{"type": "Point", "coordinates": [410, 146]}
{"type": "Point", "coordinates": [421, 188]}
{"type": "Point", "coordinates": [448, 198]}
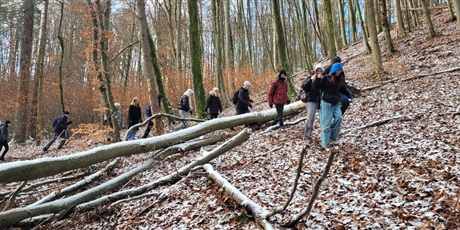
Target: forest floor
{"type": "Point", "coordinates": [403, 174]}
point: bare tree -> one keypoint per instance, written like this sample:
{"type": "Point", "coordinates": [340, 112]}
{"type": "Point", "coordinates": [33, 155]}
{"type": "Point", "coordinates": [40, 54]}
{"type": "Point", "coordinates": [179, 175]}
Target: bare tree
{"type": "Point", "coordinates": [376, 53]}
{"type": "Point", "coordinates": [399, 19]}
{"type": "Point", "coordinates": [24, 71]}
{"type": "Point", "coordinates": [426, 12]}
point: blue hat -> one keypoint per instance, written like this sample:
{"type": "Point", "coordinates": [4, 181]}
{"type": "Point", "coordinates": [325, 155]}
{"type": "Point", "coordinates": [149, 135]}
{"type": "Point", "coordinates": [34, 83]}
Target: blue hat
{"type": "Point", "coordinates": [336, 67]}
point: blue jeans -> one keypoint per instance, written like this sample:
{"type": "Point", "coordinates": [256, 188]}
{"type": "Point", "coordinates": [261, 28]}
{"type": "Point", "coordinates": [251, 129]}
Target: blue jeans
{"type": "Point", "coordinates": [330, 117]}
{"type": "Point", "coordinates": [132, 134]}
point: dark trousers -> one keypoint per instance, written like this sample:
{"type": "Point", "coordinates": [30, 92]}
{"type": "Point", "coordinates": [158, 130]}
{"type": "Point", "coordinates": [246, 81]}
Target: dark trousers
{"type": "Point", "coordinates": [345, 103]}
{"type": "Point", "coordinates": [56, 136]}
{"type": "Point", "coordinates": [279, 116]}
{"type": "Point", "coordinates": [4, 144]}
{"type": "Point", "coordinates": [213, 115]}
{"type": "Point", "coordinates": [147, 131]}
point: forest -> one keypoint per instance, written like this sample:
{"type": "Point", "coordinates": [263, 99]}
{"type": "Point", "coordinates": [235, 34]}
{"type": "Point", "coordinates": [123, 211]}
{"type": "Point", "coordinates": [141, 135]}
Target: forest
{"type": "Point", "coordinates": [396, 164]}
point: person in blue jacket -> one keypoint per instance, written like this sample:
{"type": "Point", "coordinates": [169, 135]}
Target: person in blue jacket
{"type": "Point", "coordinates": [344, 100]}
{"type": "Point", "coordinates": [330, 115]}
{"type": "Point", "coordinates": [148, 113]}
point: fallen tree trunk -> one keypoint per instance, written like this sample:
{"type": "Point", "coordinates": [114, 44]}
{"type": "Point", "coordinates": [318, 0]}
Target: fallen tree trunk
{"type": "Point", "coordinates": [158, 115]}
{"type": "Point", "coordinates": [67, 204]}
{"type": "Point", "coordinates": [169, 179]}
{"type": "Point", "coordinates": [76, 186]}
{"type": "Point", "coordinates": [410, 78]}
{"type": "Point", "coordinates": [38, 168]}
{"type": "Point", "coordinates": [257, 210]}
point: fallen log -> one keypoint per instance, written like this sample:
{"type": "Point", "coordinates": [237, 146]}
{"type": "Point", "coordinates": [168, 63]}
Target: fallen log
{"type": "Point", "coordinates": [257, 210]}
{"type": "Point", "coordinates": [37, 168]}
{"type": "Point", "coordinates": [169, 179]}
{"type": "Point", "coordinates": [67, 204]}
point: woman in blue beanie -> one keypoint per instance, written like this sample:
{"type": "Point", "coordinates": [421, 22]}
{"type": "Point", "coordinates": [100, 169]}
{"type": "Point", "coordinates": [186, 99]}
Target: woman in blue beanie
{"type": "Point", "coordinates": [330, 115]}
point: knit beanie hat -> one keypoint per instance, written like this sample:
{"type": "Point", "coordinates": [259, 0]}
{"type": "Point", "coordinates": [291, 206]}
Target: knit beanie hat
{"type": "Point", "coordinates": [319, 66]}
{"type": "Point", "coordinates": [66, 113]}
{"type": "Point", "coordinates": [282, 72]}
{"type": "Point", "coordinates": [7, 121]}
{"type": "Point", "coordinates": [336, 67]}
{"type": "Point", "coordinates": [336, 59]}
{"type": "Point", "coordinates": [246, 83]}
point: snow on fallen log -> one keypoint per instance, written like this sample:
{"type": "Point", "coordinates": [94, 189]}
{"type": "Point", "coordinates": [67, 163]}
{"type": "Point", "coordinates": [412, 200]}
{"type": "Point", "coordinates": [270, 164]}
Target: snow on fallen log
{"type": "Point", "coordinates": [14, 216]}
{"type": "Point", "coordinates": [169, 179]}
{"type": "Point", "coordinates": [42, 167]}
{"type": "Point", "coordinates": [257, 210]}
{"type": "Point", "coordinates": [76, 186]}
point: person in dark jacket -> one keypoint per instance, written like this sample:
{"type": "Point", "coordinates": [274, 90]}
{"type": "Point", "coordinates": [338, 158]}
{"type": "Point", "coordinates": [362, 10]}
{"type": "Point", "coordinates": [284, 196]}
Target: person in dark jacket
{"type": "Point", "coordinates": [313, 99]}
{"type": "Point", "coordinates": [134, 117]}
{"type": "Point", "coordinates": [4, 138]}
{"type": "Point", "coordinates": [330, 115]}
{"type": "Point", "coordinates": [185, 106]}
{"type": "Point", "coordinates": [59, 125]}
{"type": "Point", "coordinates": [278, 95]}
{"type": "Point", "coordinates": [344, 100]}
{"type": "Point", "coordinates": [213, 105]}
{"type": "Point", "coordinates": [244, 102]}
{"type": "Point", "coordinates": [148, 113]}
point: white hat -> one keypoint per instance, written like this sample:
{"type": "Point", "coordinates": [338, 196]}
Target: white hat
{"type": "Point", "coordinates": [246, 83]}
{"type": "Point", "coordinates": [319, 66]}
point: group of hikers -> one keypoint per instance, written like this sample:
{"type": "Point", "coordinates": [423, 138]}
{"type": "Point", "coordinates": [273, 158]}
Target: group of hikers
{"type": "Point", "coordinates": [325, 90]}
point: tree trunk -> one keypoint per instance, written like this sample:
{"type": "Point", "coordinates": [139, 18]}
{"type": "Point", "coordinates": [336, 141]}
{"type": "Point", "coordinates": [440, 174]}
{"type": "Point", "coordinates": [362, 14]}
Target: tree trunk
{"type": "Point", "coordinates": [352, 16]}
{"type": "Point", "coordinates": [178, 37]}
{"type": "Point", "coordinates": [363, 28]}
{"type": "Point", "coordinates": [149, 54]}
{"type": "Point", "coordinates": [104, 17]}
{"type": "Point", "coordinates": [321, 36]}
{"type": "Point", "coordinates": [386, 28]}
{"type": "Point", "coordinates": [282, 47]}
{"type": "Point", "coordinates": [61, 58]}
{"type": "Point", "coordinates": [376, 54]}
{"type": "Point", "coordinates": [451, 11]}
{"type": "Point", "coordinates": [228, 35]}
{"type": "Point", "coordinates": [330, 26]}
{"type": "Point", "coordinates": [24, 71]}
{"type": "Point", "coordinates": [399, 19]}
{"type": "Point", "coordinates": [457, 11]}
{"type": "Point", "coordinates": [426, 12]}
{"type": "Point", "coordinates": [342, 23]}
{"type": "Point", "coordinates": [195, 55]}
{"type": "Point", "coordinates": [39, 72]}
{"type": "Point", "coordinates": [217, 44]}
{"type": "Point", "coordinates": [33, 169]}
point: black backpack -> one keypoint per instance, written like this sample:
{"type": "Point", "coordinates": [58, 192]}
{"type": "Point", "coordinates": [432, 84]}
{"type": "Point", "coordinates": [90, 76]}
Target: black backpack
{"type": "Point", "coordinates": [235, 97]}
{"type": "Point", "coordinates": [54, 122]}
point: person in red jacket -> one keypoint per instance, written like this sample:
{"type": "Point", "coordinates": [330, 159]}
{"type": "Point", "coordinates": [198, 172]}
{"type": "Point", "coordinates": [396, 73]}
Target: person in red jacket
{"type": "Point", "coordinates": [278, 95]}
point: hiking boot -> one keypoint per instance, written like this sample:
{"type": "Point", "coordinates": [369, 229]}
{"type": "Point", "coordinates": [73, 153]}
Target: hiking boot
{"type": "Point", "coordinates": [334, 142]}
{"type": "Point", "coordinates": [45, 149]}
{"type": "Point", "coordinates": [2, 158]}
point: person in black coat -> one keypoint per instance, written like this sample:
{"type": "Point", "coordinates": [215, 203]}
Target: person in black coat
{"type": "Point", "coordinates": [4, 138]}
{"type": "Point", "coordinates": [59, 130]}
{"type": "Point", "coordinates": [213, 103]}
{"type": "Point", "coordinates": [134, 117]}
{"type": "Point", "coordinates": [344, 100]}
{"type": "Point", "coordinates": [313, 99]}
{"type": "Point", "coordinates": [244, 102]}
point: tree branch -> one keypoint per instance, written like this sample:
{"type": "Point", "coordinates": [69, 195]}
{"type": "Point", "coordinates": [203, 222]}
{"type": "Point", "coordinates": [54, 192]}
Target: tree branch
{"type": "Point", "coordinates": [257, 210]}
{"type": "Point", "coordinates": [121, 51]}
{"type": "Point", "coordinates": [306, 211]}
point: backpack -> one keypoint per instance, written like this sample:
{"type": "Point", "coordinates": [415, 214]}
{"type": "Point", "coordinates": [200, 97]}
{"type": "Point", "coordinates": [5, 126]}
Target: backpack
{"type": "Point", "coordinates": [54, 122]}
{"type": "Point", "coordinates": [276, 86]}
{"type": "Point", "coordinates": [303, 96]}
{"type": "Point", "coordinates": [235, 97]}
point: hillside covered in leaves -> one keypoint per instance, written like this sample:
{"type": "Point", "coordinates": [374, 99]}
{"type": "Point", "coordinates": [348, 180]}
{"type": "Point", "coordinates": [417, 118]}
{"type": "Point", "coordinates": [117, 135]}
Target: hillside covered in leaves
{"type": "Point", "coordinates": [397, 167]}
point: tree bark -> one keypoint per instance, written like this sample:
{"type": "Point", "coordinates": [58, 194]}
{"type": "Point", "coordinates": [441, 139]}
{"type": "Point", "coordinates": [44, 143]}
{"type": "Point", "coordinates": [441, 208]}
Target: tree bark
{"type": "Point", "coordinates": [33, 169]}
{"type": "Point", "coordinates": [376, 53]}
{"type": "Point", "coordinates": [228, 34]}
{"type": "Point", "coordinates": [426, 12]}
{"type": "Point", "coordinates": [342, 23]}
{"type": "Point", "coordinates": [386, 28]}
{"type": "Point", "coordinates": [24, 71]}
{"type": "Point", "coordinates": [148, 54]}
{"type": "Point", "coordinates": [258, 211]}
{"type": "Point", "coordinates": [330, 26]}
{"type": "Point", "coordinates": [457, 11]}
{"type": "Point", "coordinates": [363, 28]}
{"type": "Point", "coordinates": [399, 19]}
{"type": "Point", "coordinates": [39, 72]}
{"type": "Point", "coordinates": [196, 55]}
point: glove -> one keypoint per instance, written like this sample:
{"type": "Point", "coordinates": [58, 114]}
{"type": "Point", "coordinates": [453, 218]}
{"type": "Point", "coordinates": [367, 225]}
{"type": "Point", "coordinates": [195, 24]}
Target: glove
{"type": "Point", "coordinates": [250, 105]}
{"type": "Point", "coordinates": [251, 101]}
{"type": "Point", "coordinates": [352, 97]}
{"type": "Point", "coordinates": [271, 105]}
{"type": "Point", "coordinates": [69, 122]}
{"type": "Point", "coordinates": [191, 112]}
{"type": "Point", "coordinates": [288, 102]}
